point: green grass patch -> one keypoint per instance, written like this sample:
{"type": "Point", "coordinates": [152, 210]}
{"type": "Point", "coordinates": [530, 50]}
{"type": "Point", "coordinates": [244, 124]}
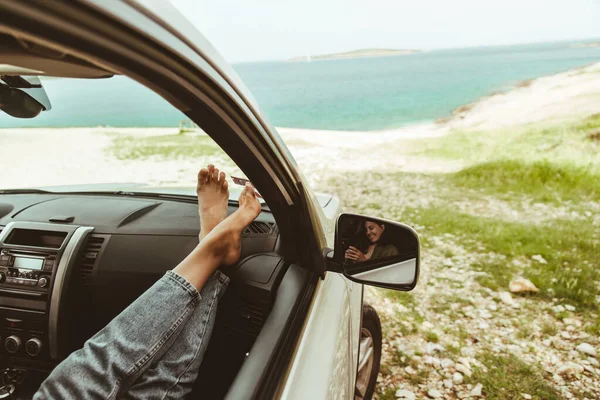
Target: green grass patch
{"type": "Point", "coordinates": [562, 142]}
{"type": "Point", "coordinates": [387, 394]}
{"type": "Point", "coordinates": [541, 180]}
{"type": "Point", "coordinates": [549, 329]}
{"type": "Point", "coordinates": [166, 147]}
{"type": "Point", "coordinates": [497, 274]}
{"type": "Point", "coordinates": [406, 299]}
{"type": "Point", "coordinates": [594, 327]}
{"type": "Point", "coordinates": [432, 337]}
{"type": "Point", "coordinates": [508, 377]}
{"type": "Point", "coordinates": [571, 249]}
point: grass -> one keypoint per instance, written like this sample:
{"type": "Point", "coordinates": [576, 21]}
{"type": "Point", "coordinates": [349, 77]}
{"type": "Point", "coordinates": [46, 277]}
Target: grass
{"type": "Point", "coordinates": [507, 377]}
{"type": "Point", "coordinates": [572, 251]}
{"type": "Point", "coordinates": [549, 329]}
{"type": "Point", "coordinates": [497, 274]}
{"type": "Point", "coordinates": [432, 337]}
{"type": "Point", "coordinates": [165, 147]}
{"type": "Point", "coordinates": [562, 142]}
{"type": "Point", "coordinates": [542, 181]}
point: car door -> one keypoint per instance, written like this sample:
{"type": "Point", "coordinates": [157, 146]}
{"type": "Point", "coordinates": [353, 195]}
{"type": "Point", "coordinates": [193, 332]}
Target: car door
{"type": "Point", "coordinates": [324, 365]}
{"type": "Point", "coordinates": [155, 45]}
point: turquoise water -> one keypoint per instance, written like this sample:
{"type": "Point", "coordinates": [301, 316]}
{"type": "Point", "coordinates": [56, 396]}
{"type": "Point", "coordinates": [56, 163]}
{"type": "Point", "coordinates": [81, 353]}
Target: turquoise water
{"type": "Point", "coordinates": [355, 94]}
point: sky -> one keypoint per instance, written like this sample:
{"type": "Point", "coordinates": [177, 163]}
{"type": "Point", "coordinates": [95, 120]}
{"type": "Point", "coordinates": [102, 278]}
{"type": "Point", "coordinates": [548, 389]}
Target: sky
{"type": "Point", "coordinates": [245, 31]}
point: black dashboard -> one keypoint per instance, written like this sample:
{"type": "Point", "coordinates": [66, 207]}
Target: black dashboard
{"type": "Point", "coordinates": [70, 263]}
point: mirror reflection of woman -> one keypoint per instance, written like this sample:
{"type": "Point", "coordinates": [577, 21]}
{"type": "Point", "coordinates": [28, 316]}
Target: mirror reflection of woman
{"type": "Point", "coordinates": [372, 244]}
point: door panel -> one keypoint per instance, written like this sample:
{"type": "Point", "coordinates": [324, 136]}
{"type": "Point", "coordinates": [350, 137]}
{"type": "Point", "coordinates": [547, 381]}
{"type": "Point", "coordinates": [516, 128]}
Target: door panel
{"type": "Point", "coordinates": [323, 366]}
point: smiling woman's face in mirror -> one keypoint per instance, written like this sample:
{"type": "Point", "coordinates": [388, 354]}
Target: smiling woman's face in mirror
{"type": "Point", "coordinates": [374, 231]}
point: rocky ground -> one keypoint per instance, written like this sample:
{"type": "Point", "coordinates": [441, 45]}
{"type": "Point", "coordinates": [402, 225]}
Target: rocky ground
{"type": "Point", "coordinates": [454, 337]}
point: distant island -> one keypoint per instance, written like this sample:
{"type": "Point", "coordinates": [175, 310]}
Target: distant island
{"type": "Point", "coordinates": [357, 54]}
{"type": "Point", "coordinates": [585, 45]}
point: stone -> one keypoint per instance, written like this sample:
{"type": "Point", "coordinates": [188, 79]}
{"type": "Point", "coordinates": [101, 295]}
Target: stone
{"type": "Point", "coordinates": [569, 308]}
{"type": "Point", "coordinates": [434, 394]}
{"type": "Point", "coordinates": [447, 363]}
{"type": "Point", "coordinates": [431, 348]}
{"type": "Point", "coordinates": [485, 314]}
{"type": "Point", "coordinates": [427, 325]}
{"type": "Point", "coordinates": [572, 322]}
{"type": "Point", "coordinates": [565, 335]}
{"type": "Point", "coordinates": [539, 258]}
{"type": "Point", "coordinates": [448, 383]}
{"type": "Point", "coordinates": [558, 308]}
{"type": "Point", "coordinates": [476, 391]}
{"type": "Point", "coordinates": [464, 362]}
{"type": "Point", "coordinates": [506, 298]}
{"type": "Point", "coordinates": [463, 369]}
{"type": "Point", "coordinates": [410, 370]}
{"type": "Point", "coordinates": [593, 361]}
{"type": "Point", "coordinates": [526, 396]}
{"type": "Point", "coordinates": [570, 369]}
{"type": "Point", "coordinates": [547, 342]}
{"type": "Point", "coordinates": [405, 394]}
{"type": "Point", "coordinates": [457, 378]}
{"type": "Point", "coordinates": [522, 285]}
{"type": "Point", "coordinates": [586, 348]}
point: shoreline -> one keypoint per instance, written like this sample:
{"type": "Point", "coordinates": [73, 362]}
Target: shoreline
{"type": "Point", "coordinates": [564, 95]}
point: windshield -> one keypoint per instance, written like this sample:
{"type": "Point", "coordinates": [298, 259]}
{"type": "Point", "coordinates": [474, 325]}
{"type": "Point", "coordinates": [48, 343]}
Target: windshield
{"type": "Point", "coordinates": [109, 134]}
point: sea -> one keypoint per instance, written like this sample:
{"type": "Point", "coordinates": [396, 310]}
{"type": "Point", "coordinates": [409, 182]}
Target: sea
{"type": "Point", "coordinates": [362, 94]}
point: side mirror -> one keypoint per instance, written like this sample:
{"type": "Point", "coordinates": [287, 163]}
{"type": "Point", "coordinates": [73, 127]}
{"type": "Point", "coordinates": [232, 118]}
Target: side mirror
{"type": "Point", "coordinates": [377, 252]}
{"type": "Point", "coordinates": [22, 97]}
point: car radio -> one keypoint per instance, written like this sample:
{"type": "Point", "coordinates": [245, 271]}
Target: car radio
{"type": "Point", "coordinates": [26, 270]}
{"type": "Point", "coordinates": [36, 260]}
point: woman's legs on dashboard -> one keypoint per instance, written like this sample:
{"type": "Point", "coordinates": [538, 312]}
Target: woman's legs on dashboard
{"type": "Point", "coordinates": [173, 375]}
{"type": "Point", "coordinates": [170, 322]}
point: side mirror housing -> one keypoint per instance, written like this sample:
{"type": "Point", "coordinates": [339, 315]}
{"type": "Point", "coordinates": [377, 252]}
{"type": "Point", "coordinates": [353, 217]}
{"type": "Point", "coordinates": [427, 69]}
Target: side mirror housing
{"type": "Point", "coordinates": [376, 252]}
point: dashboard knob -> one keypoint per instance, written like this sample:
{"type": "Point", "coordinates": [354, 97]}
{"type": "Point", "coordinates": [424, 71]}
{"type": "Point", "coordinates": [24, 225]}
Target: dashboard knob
{"type": "Point", "coordinates": [33, 347]}
{"type": "Point", "coordinates": [43, 282]}
{"type": "Point", "coordinates": [12, 344]}
{"type": "Point", "coordinates": [2, 277]}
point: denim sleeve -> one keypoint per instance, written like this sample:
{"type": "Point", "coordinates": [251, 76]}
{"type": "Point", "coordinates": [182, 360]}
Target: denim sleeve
{"type": "Point", "coordinates": [120, 352]}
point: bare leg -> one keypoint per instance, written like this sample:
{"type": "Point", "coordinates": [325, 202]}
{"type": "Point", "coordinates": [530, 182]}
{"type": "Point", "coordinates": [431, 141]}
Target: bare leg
{"type": "Point", "coordinates": [172, 376]}
{"type": "Point", "coordinates": [222, 245]}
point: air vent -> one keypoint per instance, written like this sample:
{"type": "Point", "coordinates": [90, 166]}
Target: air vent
{"type": "Point", "coordinates": [248, 319]}
{"type": "Point", "coordinates": [259, 228]}
{"type": "Point", "coordinates": [90, 255]}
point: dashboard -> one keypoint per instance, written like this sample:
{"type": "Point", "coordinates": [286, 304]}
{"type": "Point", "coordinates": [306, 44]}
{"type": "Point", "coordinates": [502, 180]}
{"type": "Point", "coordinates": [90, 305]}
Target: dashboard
{"type": "Point", "coordinates": [70, 263]}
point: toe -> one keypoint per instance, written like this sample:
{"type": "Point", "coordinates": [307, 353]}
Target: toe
{"type": "Point", "coordinates": [249, 189]}
{"type": "Point", "coordinates": [202, 176]}
{"type": "Point", "coordinates": [222, 177]}
{"type": "Point", "coordinates": [225, 186]}
{"type": "Point", "coordinates": [215, 174]}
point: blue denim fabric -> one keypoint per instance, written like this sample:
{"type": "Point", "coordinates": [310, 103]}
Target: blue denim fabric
{"type": "Point", "coordinates": [152, 350]}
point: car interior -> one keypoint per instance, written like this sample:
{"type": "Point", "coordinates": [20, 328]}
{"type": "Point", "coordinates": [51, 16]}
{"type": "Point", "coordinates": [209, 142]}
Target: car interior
{"type": "Point", "coordinates": [71, 260]}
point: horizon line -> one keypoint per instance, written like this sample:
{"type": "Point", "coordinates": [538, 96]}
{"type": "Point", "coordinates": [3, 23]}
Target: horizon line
{"type": "Point", "coordinates": [425, 49]}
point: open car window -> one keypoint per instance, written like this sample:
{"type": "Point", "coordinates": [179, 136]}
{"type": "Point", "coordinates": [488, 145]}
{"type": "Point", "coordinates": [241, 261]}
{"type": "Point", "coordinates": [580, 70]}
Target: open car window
{"type": "Point", "coordinates": [110, 134]}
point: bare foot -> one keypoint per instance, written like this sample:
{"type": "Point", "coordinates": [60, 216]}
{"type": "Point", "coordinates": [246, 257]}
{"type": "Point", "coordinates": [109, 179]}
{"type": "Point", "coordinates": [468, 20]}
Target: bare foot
{"type": "Point", "coordinates": [213, 196]}
{"type": "Point", "coordinates": [222, 244]}
{"type": "Point", "coordinates": [226, 237]}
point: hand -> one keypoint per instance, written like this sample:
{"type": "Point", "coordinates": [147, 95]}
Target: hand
{"type": "Point", "coordinates": [355, 254]}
